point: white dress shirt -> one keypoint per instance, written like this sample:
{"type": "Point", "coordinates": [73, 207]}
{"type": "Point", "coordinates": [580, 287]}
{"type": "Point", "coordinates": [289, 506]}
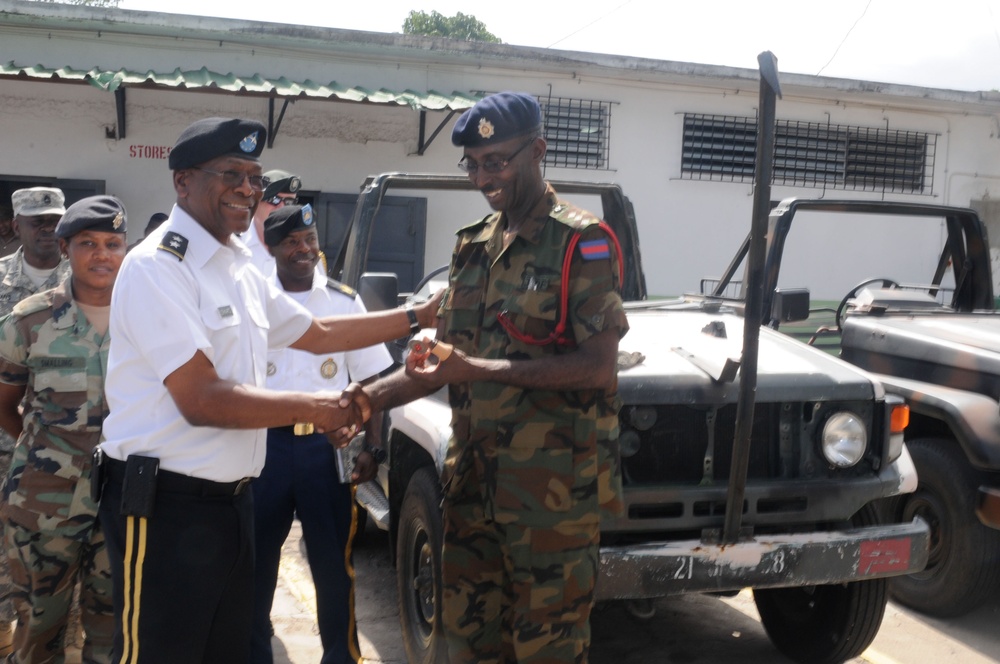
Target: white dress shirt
{"type": "Point", "coordinates": [294, 370]}
{"type": "Point", "coordinates": [166, 308]}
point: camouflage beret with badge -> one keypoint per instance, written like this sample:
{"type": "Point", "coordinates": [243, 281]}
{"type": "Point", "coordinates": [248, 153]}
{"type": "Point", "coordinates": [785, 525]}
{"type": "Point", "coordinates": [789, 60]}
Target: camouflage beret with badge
{"type": "Point", "coordinates": [38, 201]}
{"type": "Point", "coordinates": [208, 138]}
{"type": "Point", "coordinates": [105, 214]}
{"type": "Point", "coordinates": [497, 118]}
{"type": "Point", "coordinates": [286, 220]}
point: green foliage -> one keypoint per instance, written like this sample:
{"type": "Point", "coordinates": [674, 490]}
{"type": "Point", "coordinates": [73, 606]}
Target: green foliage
{"type": "Point", "coordinates": [459, 26]}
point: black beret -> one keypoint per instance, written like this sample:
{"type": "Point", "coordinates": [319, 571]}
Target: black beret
{"type": "Point", "coordinates": [287, 219]}
{"type": "Point", "coordinates": [209, 138]}
{"type": "Point", "coordinates": [498, 118]}
{"type": "Point", "coordinates": [94, 213]}
{"type": "Point", "coordinates": [281, 183]}
{"type": "Point", "coordinates": [155, 220]}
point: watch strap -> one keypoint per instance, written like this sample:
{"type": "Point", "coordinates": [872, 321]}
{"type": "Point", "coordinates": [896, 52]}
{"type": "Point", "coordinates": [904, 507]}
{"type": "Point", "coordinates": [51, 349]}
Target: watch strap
{"type": "Point", "coordinates": [411, 316]}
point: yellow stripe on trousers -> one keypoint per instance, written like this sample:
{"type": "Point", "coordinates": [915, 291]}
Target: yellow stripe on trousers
{"type": "Point", "coordinates": [135, 555]}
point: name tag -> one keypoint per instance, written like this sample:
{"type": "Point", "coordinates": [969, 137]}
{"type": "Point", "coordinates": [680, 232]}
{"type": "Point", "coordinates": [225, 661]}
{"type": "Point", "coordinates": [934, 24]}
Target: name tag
{"type": "Point", "coordinates": [226, 311]}
{"type": "Point", "coordinates": [60, 362]}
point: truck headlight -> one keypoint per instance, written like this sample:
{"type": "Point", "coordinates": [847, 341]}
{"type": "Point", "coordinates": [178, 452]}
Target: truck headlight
{"type": "Point", "coordinates": [844, 439]}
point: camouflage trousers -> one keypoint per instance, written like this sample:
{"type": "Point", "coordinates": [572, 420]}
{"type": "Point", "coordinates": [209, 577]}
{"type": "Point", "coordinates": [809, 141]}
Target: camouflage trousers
{"type": "Point", "coordinates": [7, 613]}
{"type": "Point", "coordinates": [514, 593]}
{"type": "Point", "coordinates": [45, 569]}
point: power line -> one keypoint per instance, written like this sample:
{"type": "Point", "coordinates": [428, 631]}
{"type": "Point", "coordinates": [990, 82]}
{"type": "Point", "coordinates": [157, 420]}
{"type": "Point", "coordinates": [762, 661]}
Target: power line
{"type": "Point", "coordinates": [845, 38]}
{"type": "Point", "coordinates": [596, 20]}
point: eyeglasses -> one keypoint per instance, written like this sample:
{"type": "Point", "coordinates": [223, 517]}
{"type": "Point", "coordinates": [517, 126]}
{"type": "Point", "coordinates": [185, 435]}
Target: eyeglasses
{"type": "Point", "coordinates": [235, 179]}
{"type": "Point", "coordinates": [491, 165]}
{"type": "Point", "coordinates": [278, 200]}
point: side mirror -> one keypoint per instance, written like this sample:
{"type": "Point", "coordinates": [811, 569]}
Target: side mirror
{"type": "Point", "coordinates": [790, 305]}
{"type": "Point", "coordinates": [379, 290]}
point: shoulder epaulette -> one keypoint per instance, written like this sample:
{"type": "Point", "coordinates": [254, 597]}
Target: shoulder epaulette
{"type": "Point", "coordinates": [333, 284]}
{"type": "Point", "coordinates": [174, 243]}
{"type": "Point", "coordinates": [32, 304]}
{"type": "Point", "coordinates": [574, 217]}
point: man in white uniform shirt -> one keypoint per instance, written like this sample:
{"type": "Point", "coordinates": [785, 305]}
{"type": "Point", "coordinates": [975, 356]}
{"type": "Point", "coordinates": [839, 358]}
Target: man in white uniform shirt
{"type": "Point", "coordinates": [191, 325]}
{"type": "Point", "coordinates": [300, 478]}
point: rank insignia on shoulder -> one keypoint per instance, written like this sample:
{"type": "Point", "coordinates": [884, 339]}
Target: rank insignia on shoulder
{"type": "Point", "coordinates": [174, 243]}
{"type": "Point", "coordinates": [333, 284]}
{"type": "Point", "coordinates": [593, 250]}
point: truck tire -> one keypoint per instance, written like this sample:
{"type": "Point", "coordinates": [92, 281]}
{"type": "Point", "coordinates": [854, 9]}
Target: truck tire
{"type": "Point", "coordinates": [418, 569]}
{"type": "Point", "coordinates": [963, 565]}
{"type": "Point", "coordinates": [825, 624]}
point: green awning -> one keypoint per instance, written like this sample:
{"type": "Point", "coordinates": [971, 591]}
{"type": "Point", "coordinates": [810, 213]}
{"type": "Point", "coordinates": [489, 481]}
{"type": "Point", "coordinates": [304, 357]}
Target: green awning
{"type": "Point", "coordinates": [205, 79]}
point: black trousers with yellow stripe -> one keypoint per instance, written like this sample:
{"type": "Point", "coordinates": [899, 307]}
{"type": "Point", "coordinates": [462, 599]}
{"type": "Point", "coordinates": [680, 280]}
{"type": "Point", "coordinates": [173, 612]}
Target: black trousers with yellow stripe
{"type": "Point", "coordinates": [183, 579]}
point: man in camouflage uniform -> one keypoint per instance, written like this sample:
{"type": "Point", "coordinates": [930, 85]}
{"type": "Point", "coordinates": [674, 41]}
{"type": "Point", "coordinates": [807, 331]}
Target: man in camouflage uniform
{"type": "Point", "coordinates": [532, 386]}
{"type": "Point", "coordinates": [37, 265]}
{"type": "Point", "coordinates": [53, 359]}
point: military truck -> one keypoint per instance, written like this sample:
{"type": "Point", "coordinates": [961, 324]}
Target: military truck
{"type": "Point", "coordinates": [826, 446]}
{"type": "Point", "coordinates": [909, 297]}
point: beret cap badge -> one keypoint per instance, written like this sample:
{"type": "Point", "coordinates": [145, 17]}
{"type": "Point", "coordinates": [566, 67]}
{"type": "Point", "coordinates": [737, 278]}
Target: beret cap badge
{"type": "Point", "coordinates": [249, 143]}
{"type": "Point", "coordinates": [485, 128]}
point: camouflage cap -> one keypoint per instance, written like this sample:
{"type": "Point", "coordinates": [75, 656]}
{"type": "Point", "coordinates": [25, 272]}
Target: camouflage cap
{"type": "Point", "coordinates": [206, 139]}
{"type": "Point", "coordinates": [105, 214]}
{"type": "Point", "coordinates": [285, 220]}
{"type": "Point", "coordinates": [498, 118]}
{"type": "Point", "coordinates": [282, 182]}
{"type": "Point", "coordinates": [37, 201]}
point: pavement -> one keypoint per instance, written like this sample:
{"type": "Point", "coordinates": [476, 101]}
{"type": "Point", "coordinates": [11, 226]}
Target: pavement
{"type": "Point", "coordinates": [296, 635]}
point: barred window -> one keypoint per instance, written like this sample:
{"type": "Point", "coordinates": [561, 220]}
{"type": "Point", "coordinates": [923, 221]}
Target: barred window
{"type": "Point", "coordinates": [811, 154]}
{"type": "Point", "coordinates": [578, 132]}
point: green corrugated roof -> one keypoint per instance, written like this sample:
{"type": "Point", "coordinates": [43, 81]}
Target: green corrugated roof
{"type": "Point", "coordinates": [111, 80]}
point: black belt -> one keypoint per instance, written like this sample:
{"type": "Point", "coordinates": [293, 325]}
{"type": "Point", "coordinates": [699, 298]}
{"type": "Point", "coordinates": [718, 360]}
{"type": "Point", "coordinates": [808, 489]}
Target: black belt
{"type": "Point", "coordinates": [171, 482]}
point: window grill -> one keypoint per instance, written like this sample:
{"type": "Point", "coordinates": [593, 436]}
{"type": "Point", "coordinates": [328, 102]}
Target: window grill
{"type": "Point", "coordinates": [578, 132]}
{"type": "Point", "coordinates": [811, 154]}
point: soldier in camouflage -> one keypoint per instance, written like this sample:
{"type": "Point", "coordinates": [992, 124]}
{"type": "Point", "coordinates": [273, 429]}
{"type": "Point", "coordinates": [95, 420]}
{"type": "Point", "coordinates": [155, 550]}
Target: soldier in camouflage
{"type": "Point", "coordinates": [35, 266]}
{"type": "Point", "coordinates": [535, 319]}
{"type": "Point", "coordinates": [53, 359]}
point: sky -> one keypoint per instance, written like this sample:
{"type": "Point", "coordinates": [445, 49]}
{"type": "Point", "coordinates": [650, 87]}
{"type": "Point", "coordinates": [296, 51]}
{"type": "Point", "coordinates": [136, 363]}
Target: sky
{"type": "Point", "coordinates": [950, 44]}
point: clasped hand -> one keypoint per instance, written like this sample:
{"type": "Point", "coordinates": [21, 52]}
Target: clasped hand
{"type": "Point", "coordinates": [341, 415]}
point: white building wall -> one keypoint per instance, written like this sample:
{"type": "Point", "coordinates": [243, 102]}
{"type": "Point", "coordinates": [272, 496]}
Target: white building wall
{"type": "Point", "coordinates": [689, 229]}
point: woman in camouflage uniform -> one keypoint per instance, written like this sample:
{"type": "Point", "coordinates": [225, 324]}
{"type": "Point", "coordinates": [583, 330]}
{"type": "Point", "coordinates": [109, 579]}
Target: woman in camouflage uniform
{"type": "Point", "coordinates": [53, 357]}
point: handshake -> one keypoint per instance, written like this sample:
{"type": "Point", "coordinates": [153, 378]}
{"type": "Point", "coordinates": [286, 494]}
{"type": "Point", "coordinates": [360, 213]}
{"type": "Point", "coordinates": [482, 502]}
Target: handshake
{"type": "Point", "coordinates": [340, 415]}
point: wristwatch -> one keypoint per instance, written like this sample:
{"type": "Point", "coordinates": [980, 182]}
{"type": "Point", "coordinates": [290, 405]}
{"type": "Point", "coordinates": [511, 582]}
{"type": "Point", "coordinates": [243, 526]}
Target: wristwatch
{"type": "Point", "coordinates": [380, 455]}
{"type": "Point", "coordinates": [411, 316]}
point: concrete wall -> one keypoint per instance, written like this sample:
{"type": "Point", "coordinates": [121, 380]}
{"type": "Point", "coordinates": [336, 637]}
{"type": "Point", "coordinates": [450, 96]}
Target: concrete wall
{"type": "Point", "coordinates": [689, 228]}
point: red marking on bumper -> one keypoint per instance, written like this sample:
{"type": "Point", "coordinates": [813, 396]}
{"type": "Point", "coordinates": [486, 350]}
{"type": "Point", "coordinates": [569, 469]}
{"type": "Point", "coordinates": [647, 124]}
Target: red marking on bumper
{"type": "Point", "coordinates": [884, 556]}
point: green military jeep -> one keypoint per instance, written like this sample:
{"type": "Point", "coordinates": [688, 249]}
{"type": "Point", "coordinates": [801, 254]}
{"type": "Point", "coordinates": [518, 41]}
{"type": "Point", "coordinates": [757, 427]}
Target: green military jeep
{"type": "Point", "coordinates": [910, 298]}
{"type": "Point", "coordinates": [826, 447]}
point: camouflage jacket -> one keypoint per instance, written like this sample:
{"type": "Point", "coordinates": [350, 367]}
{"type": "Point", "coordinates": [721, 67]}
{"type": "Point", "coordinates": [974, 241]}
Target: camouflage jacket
{"type": "Point", "coordinates": [539, 452]}
{"type": "Point", "coordinates": [47, 345]}
{"type": "Point", "coordinates": [14, 287]}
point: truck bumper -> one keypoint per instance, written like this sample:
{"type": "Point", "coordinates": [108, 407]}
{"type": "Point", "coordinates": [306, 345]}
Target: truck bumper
{"type": "Point", "coordinates": [768, 561]}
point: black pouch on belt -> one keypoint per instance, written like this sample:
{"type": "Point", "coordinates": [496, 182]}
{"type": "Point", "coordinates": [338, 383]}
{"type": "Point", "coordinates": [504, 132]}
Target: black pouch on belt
{"type": "Point", "coordinates": [139, 486]}
{"type": "Point", "coordinates": [98, 474]}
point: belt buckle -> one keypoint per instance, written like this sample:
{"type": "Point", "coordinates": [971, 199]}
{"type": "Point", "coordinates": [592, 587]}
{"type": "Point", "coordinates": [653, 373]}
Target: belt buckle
{"type": "Point", "coordinates": [241, 486]}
